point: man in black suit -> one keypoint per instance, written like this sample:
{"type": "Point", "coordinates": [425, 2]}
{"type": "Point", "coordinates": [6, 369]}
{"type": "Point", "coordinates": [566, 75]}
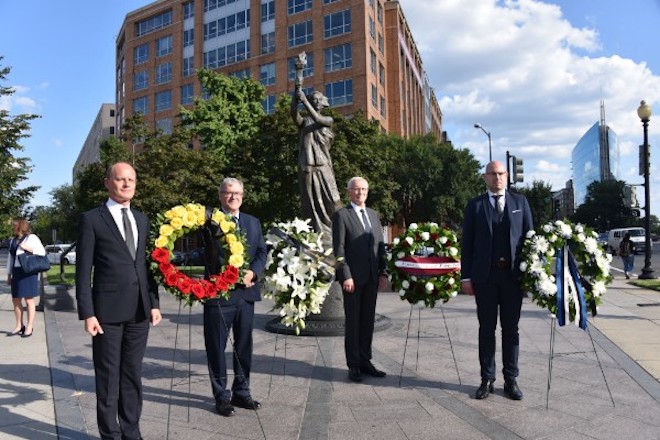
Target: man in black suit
{"type": "Point", "coordinates": [494, 229]}
{"type": "Point", "coordinates": [357, 238]}
{"type": "Point", "coordinates": [237, 312]}
{"type": "Point", "coordinates": [118, 303]}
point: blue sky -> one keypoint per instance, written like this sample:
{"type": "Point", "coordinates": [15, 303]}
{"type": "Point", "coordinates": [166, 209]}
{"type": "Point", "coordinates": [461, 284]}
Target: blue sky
{"type": "Point", "coordinates": [532, 73]}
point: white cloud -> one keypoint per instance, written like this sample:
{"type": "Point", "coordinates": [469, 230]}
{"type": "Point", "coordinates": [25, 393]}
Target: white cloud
{"type": "Point", "coordinates": [530, 78]}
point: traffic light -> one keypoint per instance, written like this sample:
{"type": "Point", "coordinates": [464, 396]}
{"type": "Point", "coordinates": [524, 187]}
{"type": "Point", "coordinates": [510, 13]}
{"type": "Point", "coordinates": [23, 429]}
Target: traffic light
{"type": "Point", "coordinates": [555, 205]}
{"type": "Point", "coordinates": [517, 170]}
{"type": "Point", "coordinates": [634, 212]}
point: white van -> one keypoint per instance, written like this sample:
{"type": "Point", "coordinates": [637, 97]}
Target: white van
{"type": "Point", "coordinates": [637, 236]}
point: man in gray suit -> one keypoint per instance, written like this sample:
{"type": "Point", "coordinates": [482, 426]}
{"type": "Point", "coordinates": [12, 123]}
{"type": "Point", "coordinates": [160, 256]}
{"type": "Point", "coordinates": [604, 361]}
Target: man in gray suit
{"type": "Point", "coordinates": [494, 229]}
{"type": "Point", "coordinates": [357, 239]}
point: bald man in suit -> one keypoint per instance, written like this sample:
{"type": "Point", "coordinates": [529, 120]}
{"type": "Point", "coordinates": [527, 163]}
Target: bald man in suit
{"type": "Point", "coordinates": [118, 303]}
{"type": "Point", "coordinates": [494, 229]}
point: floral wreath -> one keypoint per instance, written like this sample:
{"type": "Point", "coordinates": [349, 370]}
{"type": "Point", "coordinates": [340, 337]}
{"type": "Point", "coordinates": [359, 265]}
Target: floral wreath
{"type": "Point", "coordinates": [424, 265]}
{"type": "Point", "coordinates": [538, 252]}
{"type": "Point", "coordinates": [179, 221]}
{"type": "Point", "coordinates": [296, 280]}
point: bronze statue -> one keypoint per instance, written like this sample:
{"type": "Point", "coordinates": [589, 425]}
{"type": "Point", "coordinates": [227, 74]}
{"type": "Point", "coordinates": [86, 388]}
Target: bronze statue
{"type": "Point", "coordinates": [318, 188]}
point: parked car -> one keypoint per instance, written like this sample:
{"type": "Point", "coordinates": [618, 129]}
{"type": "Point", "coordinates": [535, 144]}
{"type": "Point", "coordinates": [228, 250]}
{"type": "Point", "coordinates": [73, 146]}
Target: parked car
{"type": "Point", "coordinates": [4, 244]}
{"type": "Point", "coordinates": [178, 258]}
{"type": "Point", "coordinates": [54, 253]}
{"type": "Point", "coordinates": [602, 240]}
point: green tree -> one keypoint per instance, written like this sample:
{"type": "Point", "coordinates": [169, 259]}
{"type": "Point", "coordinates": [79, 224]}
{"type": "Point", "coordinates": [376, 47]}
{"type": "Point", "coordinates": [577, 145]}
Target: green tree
{"type": "Point", "coordinates": [65, 218]}
{"type": "Point", "coordinates": [13, 169]}
{"type": "Point", "coordinates": [539, 196]}
{"type": "Point", "coordinates": [603, 208]}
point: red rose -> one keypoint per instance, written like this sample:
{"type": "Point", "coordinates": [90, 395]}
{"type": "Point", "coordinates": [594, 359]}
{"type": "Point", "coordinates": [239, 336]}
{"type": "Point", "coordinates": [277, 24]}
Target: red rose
{"type": "Point", "coordinates": [197, 290]}
{"type": "Point", "coordinates": [209, 287]}
{"type": "Point", "coordinates": [231, 275]}
{"type": "Point", "coordinates": [171, 279]}
{"type": "Point", "coordinates": [184, 285]}
{"type": "Point", "coordinates": [435, 236]}
{"type": "Point", "coordinates": [161, 255]}
{"type": "Point", "coordinates": [221, 284]}
{"type": "Point", "coordinates": [167, 268]}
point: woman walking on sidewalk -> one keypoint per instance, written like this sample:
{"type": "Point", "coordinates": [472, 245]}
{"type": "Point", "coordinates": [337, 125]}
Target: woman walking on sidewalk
{"type": "Point", "coordinates": [627, 253]}
{"type": "Point", "coordinates": [23, 286]}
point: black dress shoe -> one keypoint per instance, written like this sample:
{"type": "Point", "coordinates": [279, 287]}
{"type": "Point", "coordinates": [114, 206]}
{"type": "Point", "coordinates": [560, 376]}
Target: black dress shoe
{"type": "Point", "coordinates": [354, 374]}
{"type": "Point", "coordinates": [225, 409]}
{"type": "Point", "coordinates": [371, 370]}
{"type": "Point", "coordinates": [245, 402]}
{"type": "Point", "coordinates": [484, 389]}
{"type": "Point", "coordinates": [512, 391]}
{"type": "Point", "coordinates": [19, 332]}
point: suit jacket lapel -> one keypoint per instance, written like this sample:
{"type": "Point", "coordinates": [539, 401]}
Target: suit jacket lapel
{"type": "Point", "coordinates": [114, 229]}
{"type": "Point", "coordinates": [488, 211]}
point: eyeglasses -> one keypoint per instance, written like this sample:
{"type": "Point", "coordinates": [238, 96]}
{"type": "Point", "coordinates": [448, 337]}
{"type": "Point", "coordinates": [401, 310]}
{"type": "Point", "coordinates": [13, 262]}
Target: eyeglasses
{"type": "Point", "coordinates": [359, 189]}
{"type": "Point", "coordinates": [231, 193]}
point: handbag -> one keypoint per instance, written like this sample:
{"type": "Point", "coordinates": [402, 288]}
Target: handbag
{"type": "Point", "coordinates": [33, 264]}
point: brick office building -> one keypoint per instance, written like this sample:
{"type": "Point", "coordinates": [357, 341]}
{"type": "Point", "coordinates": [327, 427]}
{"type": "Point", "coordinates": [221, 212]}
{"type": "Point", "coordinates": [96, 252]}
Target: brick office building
{"type": "Point", "coordinates": [361, 54]}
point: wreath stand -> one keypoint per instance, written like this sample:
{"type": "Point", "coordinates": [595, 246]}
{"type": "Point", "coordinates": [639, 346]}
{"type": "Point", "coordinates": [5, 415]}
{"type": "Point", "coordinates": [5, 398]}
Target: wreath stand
{"type": "Point", "coordinates": [551, 356]}
{"type": "Point", "coordinates": [419, 324]}
{"type": "Point", "coordinates": [176, 340]}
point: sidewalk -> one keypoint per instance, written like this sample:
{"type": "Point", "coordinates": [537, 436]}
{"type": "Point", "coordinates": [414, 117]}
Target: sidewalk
{"type": "Point", "coordinates": [303, 386]}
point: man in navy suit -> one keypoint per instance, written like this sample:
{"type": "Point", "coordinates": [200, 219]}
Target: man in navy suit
{"type": "Point", "coordinates": [494, 229]}
{"type": "Point", "coordinates": [117, 303]}
{"type": "Point", "coordinates": [357, 238]}
{"type": "Point", "coordinates": [237, 312]}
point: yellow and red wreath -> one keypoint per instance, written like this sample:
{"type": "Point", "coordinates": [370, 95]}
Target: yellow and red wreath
{"type": "Point", "coordinates": [178, 221]}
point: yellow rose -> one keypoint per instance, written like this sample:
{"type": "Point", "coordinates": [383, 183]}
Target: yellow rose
{"type": "Point", "coordinates": [226, 226]}
{"type": "Point", "coordinates": [194, 207]}
{"type": "Point", "coordinates": [201, 219]}
{"type": "Point", "coordinates": [176, 223]}
{"type": "Point", "coordinates": [161, 241]}
{"type": "Point", "coordinates": [169, 214]}
{"type": "Point", "coordinates": [166, 230]}
{"type": "Point", "coordinates": [217, 216]}
{"type": "Point", "coordinates": [236, 260]}
{"type": "Point", "coordinates": [179, 211]}
{"type": "Point", "coordinates": [189, 219]}
{"type": "Point", "coordinates": [231, 238]}
{"type": "Point", "coordinates": [237, 248]}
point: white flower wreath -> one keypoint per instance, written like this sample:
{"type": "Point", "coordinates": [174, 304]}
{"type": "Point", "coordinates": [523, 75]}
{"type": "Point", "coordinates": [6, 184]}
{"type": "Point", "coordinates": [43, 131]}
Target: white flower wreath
{"type": "Point", "coordinates": [295, 280]}
{"type": "Point", "coordinates": [424, 265]}
{"type": "Point", "coordinates": [542, 247]}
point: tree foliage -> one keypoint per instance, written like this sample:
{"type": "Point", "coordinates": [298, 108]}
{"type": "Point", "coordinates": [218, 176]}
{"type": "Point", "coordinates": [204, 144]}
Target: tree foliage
{"type": "Point", "coordinates": [539, 196]}
{"type": "Point", "coordinates": [604, 208]}
{"type": "Point", "coordinates": [13, 169]}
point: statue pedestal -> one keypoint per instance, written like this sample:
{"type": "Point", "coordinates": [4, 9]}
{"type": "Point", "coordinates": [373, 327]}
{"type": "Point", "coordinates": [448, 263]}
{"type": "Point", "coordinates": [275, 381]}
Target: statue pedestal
{"type": "Point", "coordinates": [330, 322]}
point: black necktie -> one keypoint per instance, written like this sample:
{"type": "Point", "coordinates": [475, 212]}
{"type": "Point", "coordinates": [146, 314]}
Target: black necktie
{"type": "Point", "coordinates": [235, 219]}
{"type": "Point", "coordinates": [128, 232]}
{"type": "Point", "coordinates": [498, 207]}
{"type": "Point", "coordinates": [367, 225]}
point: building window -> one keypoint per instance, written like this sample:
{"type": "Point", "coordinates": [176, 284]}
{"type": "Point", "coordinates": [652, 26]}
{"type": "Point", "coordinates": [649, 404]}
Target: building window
{"type": "Point", "coordinates": [379, 13]}
{"type": "Point", "coordinates": [164, 125]}
{"type": "Point", "coordinates": [140, 80]}
{"type": "Point", "coordinates": [141, 105]}
{"type": "Point", "coordinates": [153, 24]}
{"type": "Point", "coordinates": [189, 66]}
{"type": "Point", "coordinates": [164, 46]}
{"type": "Point", "coordinates": [189, 10]}
{"type": "Point", "coordinates": [187, 94]}
{"type": "Point", "coordinates": [373, 61]}
{"type": "Point", "coordinates": [112, 130]}
{"type": "Point", "coordinates": [307, 71]}
{"type": "Point", "coordinates": [301, 33]}
{"type": "Point", "coordinates": [381, 74]}
{"type": "Point", "coordinates": [244, 73]}
{"type": "Point", "coordinates": [163, 73]}
{"type": "Point", "coordinates": [325, 2]}
{"type": "Point", "coordinates": [188, 37]}
{"type": "Point", "coordinates": [338, 57]}
{"type": "Point", "coordinates": [339, 92]}
{"type": "Point", "coordinates": [267, 74]}
{"type": "Point", "coordinates": [141, 53]}
{"type": "Point", "coordinates": [381, 43]}
{"type": "Point", "coordinates": [269, 104]}
{"type": "Point", "coordinates": [229, 54]}
{"type": "Point", "coordinates": [382, 107]}
{"type": "Point", "coordinates": [226, 25]}
{"type": "Point", "coordinates": [338, 23]}
{"type": "Point", "coordinates": [267, 10]}
{"type": "Point", "coordinates": [210, 5]}
{"type": "Point", "coordinates": [268, 43]}
{"type": "Point", "coordinates": [112, 112]}
{"type": "Point", "coordinates": [374, 95]}
{"type": "Point", "coordinates": [296, 6]}
{"type": "Point", "coordinates": [163, 100]}
{"type": "Point", "coordinates": [372, 28]}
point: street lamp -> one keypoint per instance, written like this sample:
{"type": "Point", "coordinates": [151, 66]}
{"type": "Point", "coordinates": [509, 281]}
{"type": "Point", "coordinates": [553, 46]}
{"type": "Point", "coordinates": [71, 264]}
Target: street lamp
{"type": "Point", "coordinates": [490, 146]}
{"type": "Point", "coordinates": [644, 113]}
